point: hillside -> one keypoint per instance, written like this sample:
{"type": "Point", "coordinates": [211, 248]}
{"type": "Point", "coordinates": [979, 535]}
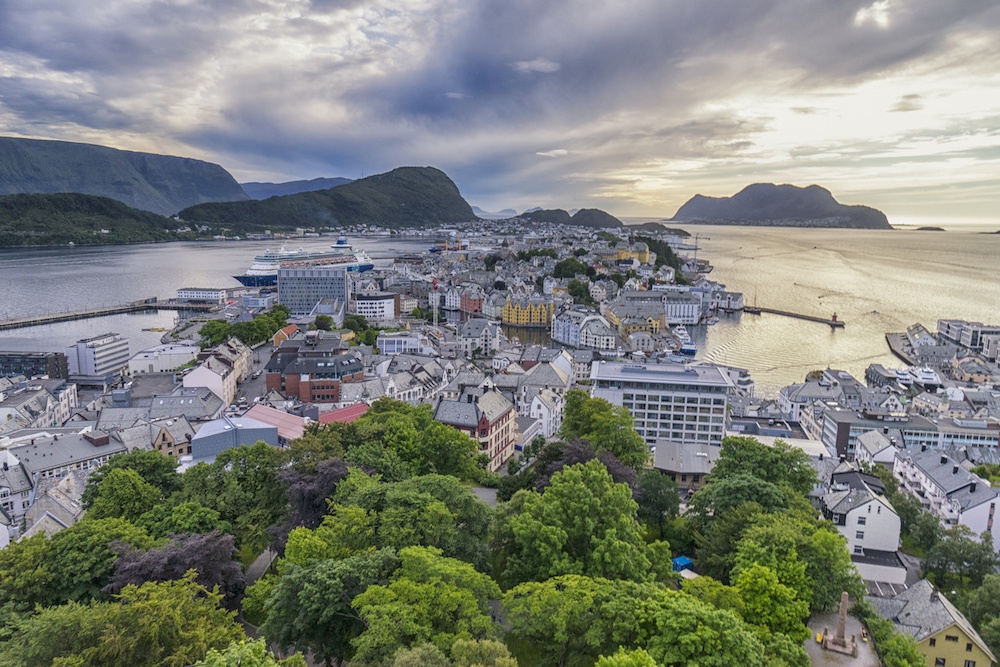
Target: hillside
{"type": "Point", "coordinates": [403, 197]}
{"type": "Point", "coordinates": [159, 183]}
{"type": "Point", "coordinates": [780, 205]}
{"type": "Point", "coordinates": [60, 219]}
{"type": "Point", "coordinates": [586, 217]}
{"type": "Point", "coordinates": [264, 190]}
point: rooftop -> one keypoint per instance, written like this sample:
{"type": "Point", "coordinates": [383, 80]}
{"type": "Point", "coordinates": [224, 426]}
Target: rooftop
{"type": "Point", "coordinates": [666, 373]}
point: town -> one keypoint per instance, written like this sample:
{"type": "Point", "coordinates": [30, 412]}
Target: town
{"type": "Point", "coordinates": [501, 328]}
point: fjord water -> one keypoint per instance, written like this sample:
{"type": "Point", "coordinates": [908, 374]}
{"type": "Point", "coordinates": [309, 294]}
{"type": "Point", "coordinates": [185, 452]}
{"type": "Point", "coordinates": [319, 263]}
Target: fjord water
{"type": "Point", "coordinates": [877, 281]}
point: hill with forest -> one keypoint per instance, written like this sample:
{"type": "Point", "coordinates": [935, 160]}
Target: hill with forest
{"type": "Point", "coordinates": [767, 204]}
{"type": "Point", "coordinates": [403, 197]}
{"type": "Point", "coordinates": [256, 190]}
{"type": "Point", "coordinates": [161, 184]}
{"type": "Point", "coordinates": [586, 217]}
{"type": "Point", "coordinates": [61, 219]}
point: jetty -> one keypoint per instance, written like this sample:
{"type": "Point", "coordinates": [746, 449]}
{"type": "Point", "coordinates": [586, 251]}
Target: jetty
{"type": "Point", "coordinates": [832, 322]}
{"type": "Point", "coordinates": [152, 303]}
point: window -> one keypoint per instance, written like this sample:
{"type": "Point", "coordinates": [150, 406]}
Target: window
{"type": "Point", "coordinates": [938, 662]}
{"type": "Point", "coordinates": [859, 535]}
{"type": "Point", "coordinates": [933, 641]}
{"type": "Point", "coordinates": [968, 648]}
{"type": "Point", "coordinates": [951, 638]}
{"type": "Point", "coordinates": [862, 520]}
{"type": "Point", "coordinates": [859, 550]}
{"type": "Point", "coordinates": [970, 663]}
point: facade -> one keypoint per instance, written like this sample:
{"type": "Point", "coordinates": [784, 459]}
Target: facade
{"type": "Point", "coordinates": [685, 404]}
{"type": "Point", "coordinates": [218, 435]}
{"type": "Point", "coordinates": [37, 404]}
{"type": "Point", "coordinates": [404, 342]}
{"type": "Point", "coordinates": [841, 428]}
{"type": "Point", "coordinates": [98, 359]}
{"type": "Point", "coordinates": [582, 329]}
{"type": "Point", "coordinates": [471, 299]}
{"type": "Point", "coordinates": [302, 286]}
{"type": "Point", "coordinates": [163, 358]}
{"type": "Point", "coordinates": [948, 491]}
{"type": "Point", "coordinates": [312, 368]}
{"type": "Point", "coordinates": [944, 636]}
{"type": "Point", "coordinates": [202, 294]}
{"type": "Point", "coordinates": [528, 311]}
{"type": "Point", "coordinates": [547, 408]}
{"type": "Point", "coordinates": [376, 306]}
{"type": "Point", "coordinates": [214, 375]}
{"type": "Point", "coordinates": [479, 334]}
{"type": "Point", "coordinates": [486, 417]}
{"type": "Point", "coordinates": [34, 364]}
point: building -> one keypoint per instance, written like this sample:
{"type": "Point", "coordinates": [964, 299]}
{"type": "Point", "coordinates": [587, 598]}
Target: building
{"type": "Point", "coordinates": [163, 358]}
{"type": "Point", "coordinates": [290, 427]}
{"type": "Point", "coordinates": [283, 334]}
{"type": "Point", "coordinates": [34, 364]}
{"type": "Point", "coordinates": [377, 306]}
{"type": "Point", "coordinates": [876, 447]}
{"type": "Point", "coordinates": [479, 335]}
{"type": "Point", "coordinates": [841, 428]}
{"type": "Point", "coordinates": [97, 360]}
{"type": "Point", "coordinates": [688, 465]}
{"type": "Point", "coordinates": [404, 342]}
{"type": "Point", "coordinates": [547, 409]}
{"type": "Point", "coordinates": [685, 404]}
{"type": "Point", "coordinates": [202, 294]}
{"type": "Point", "coordinates": [944, 636]}
{"type": "Point", "coordinates": [582, 329]}
{"type": "Point", "coordinates": [486, 417]}
{"type": "Point", "coordinates": [947, 490]}
{"type": "Point", "coordinates": [218, 435]}
{"type": "Point", "coordinates": [302, 285]}
{"type": "Point", "coordinates": [312, 368]}
{"type": "Point", "coordinates": [36, 403]}
{"type": "Point", "coordinates": [528, 311]}
{"type": "Point", "coordinates": [216, 376]}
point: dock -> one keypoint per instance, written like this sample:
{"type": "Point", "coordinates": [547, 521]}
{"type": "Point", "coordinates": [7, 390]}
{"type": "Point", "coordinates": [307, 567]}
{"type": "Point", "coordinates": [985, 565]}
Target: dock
{"type": "Point", "coordinates": [152, 303]}
{"type": "Point", "coordinates": [832, 322]}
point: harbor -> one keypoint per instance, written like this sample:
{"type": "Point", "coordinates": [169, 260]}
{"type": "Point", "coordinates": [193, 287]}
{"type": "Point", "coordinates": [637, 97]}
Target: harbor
{"type": "Point", "coordinates": [152, 303]}
{"type": "Point", "coordinates": [832, 322]}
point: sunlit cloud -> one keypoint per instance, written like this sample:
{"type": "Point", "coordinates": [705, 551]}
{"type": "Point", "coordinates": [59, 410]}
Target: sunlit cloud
{"type": "Point", "coordinates": [558, 152]}
{"type": "Point", "coordinates": [538, 65]}
{"type": "Point", "coordinates": [876, 13]}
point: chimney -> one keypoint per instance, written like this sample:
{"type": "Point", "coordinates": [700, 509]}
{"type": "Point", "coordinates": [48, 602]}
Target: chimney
{"type": "Point", "coordinates": [954, 470]}
{"type": "Point", "coordinates": [923, 448]}
{"type": "Point", "coordinates": [944, 459]}
{"type": "Point", "coordinates": [972, 487]}
{"type": "Point", "coordinates": [934, 594]}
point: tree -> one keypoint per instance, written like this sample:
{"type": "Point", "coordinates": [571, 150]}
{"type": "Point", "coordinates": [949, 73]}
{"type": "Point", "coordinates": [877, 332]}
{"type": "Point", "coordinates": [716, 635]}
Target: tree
{"type": "Point", "coordinates": [778, 464]}
{"type": "Point", "coordinates": [422, 655]}
{"type": "Point", "coordinates": [636, 658]}
{"type": "Point", "coordinates": [559, 455]}
{"type": "Point", "coordinates": [310, 606]}
{"type": "Point", "coordinates": [417, 313]}
{"type": "Point", "coordinates": [925, 530]}
{"type": "Point", "coordinates": [152, 466]}
{"type": "Point", "coordinates": [583, 523]}
{"type": "Point", "coordinates": [569, 267]}
{"type": "Point", "coordinates": [84, 555]}
{"type": "Point", "coordinates": [984, 601]}
{"type": "Point", "coordinates": [580, 292]}
{"type": "Point", "coordinates": [718, 542]}
{"type": "Point", "coordinates": [248, 653]}
{"type": "Point", "coordinates": [607, 427]}
{"type": "Point", "coordinates": [431, 599]}
{"type": "Point", "coordinates": [307, 495]}
{"type": "Point", "coordinates": [26, 575]}
{"type": "Point", "coordinates": [960, 555]}
{"type": "Point", "coordinates": [324, 322]}
{"type": "Point", "coordinates": [772, 604]}
{"type": "Point", "coordinates": [658, 498]}
{"type": "Point", "coordinates": [187, 518]}
{"type": "Point", "coordinates": [169, 624]}
{"type": "Point", "coordinates": [481, 653]}
{"type": "Point", "coordinates": [210, 555]}
{"type": "Point", "coordinates": [215, 332]}
{"type": "Point", "coordinates": [125, 494]}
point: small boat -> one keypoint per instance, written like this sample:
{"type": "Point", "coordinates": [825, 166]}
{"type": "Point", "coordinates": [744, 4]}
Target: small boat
{"type": "Point", "coordinates": [713, 320]}
{"type": "Point", "coordinates": [688, 349]}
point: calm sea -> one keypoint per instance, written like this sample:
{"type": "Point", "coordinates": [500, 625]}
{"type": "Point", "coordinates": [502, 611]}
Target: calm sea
{"type": "Point", "coordinates": [876, 281]}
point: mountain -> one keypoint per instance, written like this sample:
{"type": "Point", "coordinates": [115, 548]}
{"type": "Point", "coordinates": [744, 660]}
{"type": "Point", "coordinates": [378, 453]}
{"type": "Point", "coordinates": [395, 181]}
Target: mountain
{"type": "Point", "coordinates": [553, 215]}
{"type": "Point", "coordinates": [782, 206]}
{"type": "Point", "coordinates": [265, 190]}
{"type": "Point", "coordinates": [657, 228]}
{"type": "Point", "coordinates": [595, 218]}
{"type": "Point", "coordinates": [503, 214]}
{"type": "Point", "coordinates": [403, 197]}
{"type": "Point", "coordinates": [159, 183]}
{"type": "Point", "coordinates": [60, 219]}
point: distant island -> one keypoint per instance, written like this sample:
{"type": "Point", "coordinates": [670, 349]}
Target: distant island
{"type": "Point", "coordinates": [585, 217]}
{"type": "Point", "coordinates": [929, 229]}
{"type": "Point", "coordinates": [767, 204]}
{"type": "Point", "coordinates": [161, 184]}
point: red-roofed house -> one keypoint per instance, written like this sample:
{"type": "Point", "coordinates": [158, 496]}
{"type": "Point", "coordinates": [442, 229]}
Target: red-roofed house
{"type": "Point", "coordinates": [281, 335]}
{"type": "Point", "coordinates": [344, 415]}
{"type": "Point", "coordinates": [290, 427]}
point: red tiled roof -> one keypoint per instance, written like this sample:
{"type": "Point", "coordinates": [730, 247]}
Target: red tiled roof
{"type": "Point", "coordinates": [344, 415]}
{"type": "Point", "coordinates": [289, 426]}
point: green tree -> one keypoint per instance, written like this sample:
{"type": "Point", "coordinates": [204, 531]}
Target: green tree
{"type": "Point", "coordinates": [718, 542]}
{"type": "Point", "coordinates": [580, 292]}
{"type": "Point", "coordinates": [430, 599]}
{"type": "Point", "coordinates": [310, 606]}
{"type": "Point", "coordinates": [583, 523]}
{"type": "Point", "coordinates": [714, 593]}
{"type": "Point", "coordinates": [324, 322]}
{"type": "Point", "coordinates": [658, 498]}
{"type": "Point", "coordinates": [26, 576]}
{"type": "Point", "coordinates": [248, 653]}
{"type": "Point", "coordinates": [609, 428]}
{"type": "Point", "coordinates": [636, 658]}
{"type": "Point", "coordinates": [123, 494]}
{"type": "Point", "coordinates": [481, 653]}
{"type": "Point", "coordinates": [778, 464]}
{"type": "Point", "coordinates": [187, 518]}
{"type": "Point", "coordinates": [152, 466]}
{"type": "Point", "coordinates": [959, 555]}
{"type": "Point", "coordinates": [171, 624]}
{"type": "Point", "coordinates": [215, 332]}
{"type": "Point", "coordinates": [422, 655]}
{"type": "Point", "coordinates": [569, 268]}
{"type": "Point", "coordinates": [771, 604]}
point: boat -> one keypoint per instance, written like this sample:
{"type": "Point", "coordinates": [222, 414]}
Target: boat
{"type": "Point", "coordinates": [342, 245]}
{"type": "Point", "coordinates": [688, 349]}
{"type": "Point", "coordinates": [713, 320]}
{"type": "Point", "coordinates": [681, 334]}
{"type": "Point", "coordinates": [264, 270]}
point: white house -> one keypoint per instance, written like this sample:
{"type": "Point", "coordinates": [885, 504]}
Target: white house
{"type": "Point", "coordinates": [875, 447]}
{"type": "Point", "coordinates": [163, 358]}
{"type": "Point", "coordinates": [547, 408]}
{"type": "Point", "coordinates": [479, 334]}
{"type": "Point", "coordinates": [214, 375]}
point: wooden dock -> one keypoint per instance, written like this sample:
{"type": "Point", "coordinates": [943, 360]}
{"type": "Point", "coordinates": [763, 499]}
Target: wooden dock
{"type": "Point", "coordinates": [832, 322]}
{"type": "Point", "coordinates": [133, 307]}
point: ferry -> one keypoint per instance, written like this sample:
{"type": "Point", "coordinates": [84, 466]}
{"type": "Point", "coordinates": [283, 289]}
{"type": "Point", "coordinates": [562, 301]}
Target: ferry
{"type": "Point", "coordinates": [264, 270]}
{"type": "Point", "coordinates": [342, 245]}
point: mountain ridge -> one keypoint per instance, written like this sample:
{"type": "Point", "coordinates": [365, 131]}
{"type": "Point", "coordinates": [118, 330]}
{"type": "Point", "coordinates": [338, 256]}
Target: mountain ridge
{"type": "Point", "coordinates": [162, 184]}
{"type": "Point", "coordinates": [259, 190]}
{"type": "Point", "coordinates": [767, 204]}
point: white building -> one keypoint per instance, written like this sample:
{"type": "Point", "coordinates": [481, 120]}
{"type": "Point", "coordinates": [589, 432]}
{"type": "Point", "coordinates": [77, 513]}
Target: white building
{"type": "Point", "coordinates": [376, 306]}
{"type": "Point", "coordinates": [685, 404]}
{"type": "Point", "coordinates": [404, 342]}
{"type": "Point", "coordinates": [875, 447]}
{"type": "Point", "coordinates": [98, 359]}
{"type": "Point", "coordinates": [479, 334]}
{"type": "Point", "coordinates": [582, 329]}
{"type": "Point", "coordinates": [163, 358]}
{"type": "Point", "coordinates": [681, 309]}
{"type": "Point", "coordinates": [204, 294]}
{"type": "Point", "coordinates": [214, 375]}
{"type": "Point", "coordinates": [948, 490]}
{"type": "Point", "coordinates": [547, 409]}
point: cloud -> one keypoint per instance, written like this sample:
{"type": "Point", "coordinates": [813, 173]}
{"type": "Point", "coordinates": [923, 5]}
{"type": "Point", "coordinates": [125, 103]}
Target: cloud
{"type": "Point", "coordinates": [646, 106]}
{"type": "Point", "coordinates": [538, 65]}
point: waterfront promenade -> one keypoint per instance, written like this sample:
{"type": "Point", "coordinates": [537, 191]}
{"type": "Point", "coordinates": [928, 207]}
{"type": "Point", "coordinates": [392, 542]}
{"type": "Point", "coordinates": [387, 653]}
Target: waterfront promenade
{"type": "Point", "coordinates": [135, 306]}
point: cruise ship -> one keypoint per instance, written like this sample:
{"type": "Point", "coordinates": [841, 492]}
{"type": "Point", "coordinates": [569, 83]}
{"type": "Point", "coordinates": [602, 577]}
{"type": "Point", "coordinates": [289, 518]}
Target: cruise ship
{"type": "Point", "coordinates": [264, 270]}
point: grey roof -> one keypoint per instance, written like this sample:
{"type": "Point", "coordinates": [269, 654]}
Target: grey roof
{"type": "Point", "coordinates": [696, 459]}
{"type": "Point", "coordinates": [59, 451]}
{"type": "Point", "coordinates": [471, 406]}
{"type": "Point", "coordinates": [922, 611]}
{"type": "Point", "coordinates": [873, 442]}
{"type": "Point", "coordinates": [660, 373]}
{"type": "Point", "coordinates": [957, 484]}
{"type": "Point", "coordinates": [15, 477]}
{"type": "Point", "coordinates": [226, 424]}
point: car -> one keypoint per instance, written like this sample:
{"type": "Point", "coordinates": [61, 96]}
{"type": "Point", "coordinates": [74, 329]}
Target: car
{"type": "Point", "coordinates": [256, 374]}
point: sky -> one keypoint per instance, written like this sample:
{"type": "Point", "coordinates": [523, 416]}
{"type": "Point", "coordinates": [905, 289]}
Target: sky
{"type": "Point", "coordinates": [632, 107]}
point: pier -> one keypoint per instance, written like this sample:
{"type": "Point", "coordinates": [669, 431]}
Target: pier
{"type": "Point", "coordinates": [832, 322]}
{"type": "Point", "coordinates": [134, 307]}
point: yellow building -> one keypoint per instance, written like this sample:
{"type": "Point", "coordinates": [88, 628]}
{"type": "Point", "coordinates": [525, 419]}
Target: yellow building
{"type": "Point", "coordinates": [633, 324]}
{"type": "Point", "coordinates": [528, 312]}
{"type": "Point", "coordinates": [944, 636]}
{"type": "Point", "coordinates": [637, 250]}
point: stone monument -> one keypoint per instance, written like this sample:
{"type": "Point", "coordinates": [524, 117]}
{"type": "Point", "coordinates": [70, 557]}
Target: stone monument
{"type": "Point", "coordinates": [839, 643]}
